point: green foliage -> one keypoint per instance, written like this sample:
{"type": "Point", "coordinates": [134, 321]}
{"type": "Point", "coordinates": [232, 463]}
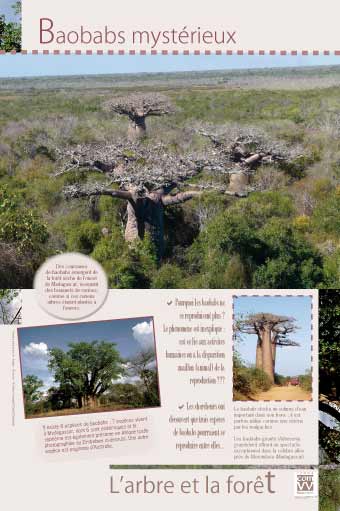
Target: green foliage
{"type": "Point", "coordinates": [135, 269]}
{"type": "Point", "coordinates": [247, 381]}
{"type": "Point", "coordinates": [329, 490]}
{"type": "Point", "coordinates": [86, 369]}
{"type": "Point", "coordinates": [280, 379]}
{"type": "Point", "coordinates": [329, 342]}
{"type": "Point", "coordinates": [32, 391]}
{"type": "Point", "coordinates": [168, 276]}
{"type": "Point", "coordinates": [18, 224]}
{"type": "Point", "coordinates": [84, 238]}
{"type": "Point", "coordinates": [7, 296]}
{"type": "Point", "coordinates": [329, 440]}
{"type": "Point", "coordinates": [270, 252]}
{"type": "Point", "coordinates": [23, 238]}
{"type": "Point", "coordinates": [125, 394]}
{"type": "Point", "coordinates": [326, 215]}
{"type": "Point", "coordinates": [306, 381]}
{"type": "Point", "coordinates": [10, 32]}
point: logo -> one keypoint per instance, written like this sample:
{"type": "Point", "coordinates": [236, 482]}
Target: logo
{"type": "Point", "coordinates": [305, 484]}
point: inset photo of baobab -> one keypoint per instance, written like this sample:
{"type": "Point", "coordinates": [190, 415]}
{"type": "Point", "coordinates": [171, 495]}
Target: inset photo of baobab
{"type": "Point", "coordinates": [272, 348]}
{"type": "Point", "coordinates": [100, 366]}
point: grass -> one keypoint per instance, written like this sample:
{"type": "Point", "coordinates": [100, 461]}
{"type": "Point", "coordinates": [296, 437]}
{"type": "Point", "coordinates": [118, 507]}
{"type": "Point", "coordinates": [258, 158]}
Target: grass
{"type": "Point", "coordinates": [78, 411]}
{"type": "Point", "coordinates": [329, 490]}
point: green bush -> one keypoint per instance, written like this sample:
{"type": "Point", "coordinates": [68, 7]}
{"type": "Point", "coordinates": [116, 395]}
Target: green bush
{"type": "Point", "coordinates": [248, 381]}
{"type": "Point", "coordinates": [84, 237]}
{"type": "Point", "coordinates": [306, 381]}
{"type": "Point", "coordinates": [329, 490]}
{"type": "Point", "coordinates": [169, 276]}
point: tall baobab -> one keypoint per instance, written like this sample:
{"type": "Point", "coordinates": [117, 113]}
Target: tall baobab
{"type": "Point", "coordinates": [272, 331]}
{"type": "Point", "coordinates": [149, 179]}
{"type": "Point", "coordinates": [137, 107]}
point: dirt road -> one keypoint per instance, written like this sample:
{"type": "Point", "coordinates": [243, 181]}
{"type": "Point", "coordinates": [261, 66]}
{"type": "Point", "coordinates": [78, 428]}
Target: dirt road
{"type": "Point", "coordinates": [284, 394]}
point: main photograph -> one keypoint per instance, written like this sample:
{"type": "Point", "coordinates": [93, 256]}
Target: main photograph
{"type": "Point", "coordinates": [201, 178]}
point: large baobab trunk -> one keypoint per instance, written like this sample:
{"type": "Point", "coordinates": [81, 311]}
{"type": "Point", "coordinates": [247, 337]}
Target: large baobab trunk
{"type": "Point", "coordinates": [146, 215]}
{"type": "Point", "coordinates": [92, 401]}
{"type": "Point", "coordinates": [274, 353]}
{"type": "Point", "coordinates": [238, 182]}
{"type": "Point", "coordinates": [137, 127]}
{"type": "Point", "coordinates": [267, 355]}
{"type": "Point", "coordinates": [258, 355]}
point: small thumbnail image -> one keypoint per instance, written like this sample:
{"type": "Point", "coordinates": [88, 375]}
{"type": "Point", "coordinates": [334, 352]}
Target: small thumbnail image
{"type": "Point", "coordinates": [272, 348]}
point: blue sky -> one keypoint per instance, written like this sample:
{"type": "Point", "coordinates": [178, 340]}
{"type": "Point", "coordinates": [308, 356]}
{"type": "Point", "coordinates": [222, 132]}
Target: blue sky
{"type": "Point", "coordinates": [290, 361]}
{"type": "Point", "coordinates": [58, 65]}
{"type": "Point", "coordinates": [6, 9]}
{"type": "Point", "coordinates": [130, 336]}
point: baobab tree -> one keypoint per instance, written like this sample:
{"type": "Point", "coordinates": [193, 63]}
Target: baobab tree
{"type": "Point", "coordinates": [137, 107]}
{"type": "Point", "coordinates": [148, 178]}
{"type": "Point", "coordinates": [272, 331]}
{"type": "Point", "coordinates": [245, 149]}
{"type": "Point", "coordinates": [87, 370]}
{"type": "Point", "coordinates": [143, 365]}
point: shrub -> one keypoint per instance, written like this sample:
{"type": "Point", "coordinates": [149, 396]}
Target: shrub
{"type": "Point", "coordinates": [248, 381]}
{"type": "Point", "coordinates": [169, 276]}
{"type": "Point", "coordinates": [306, 381]}
{"type": "Point", "coordinates": [84, 237]}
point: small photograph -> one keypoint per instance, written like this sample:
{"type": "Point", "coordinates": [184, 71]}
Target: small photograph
{"type": "Point", "coordinates": [10, 306]}
{"type": "Point", "coordinates": [10, 25]}
{"type": "Point", "coordinates": [329, 376]}
{"type": "Point", "coordinates": [100, 366]}
{"type": "Point", "coordinates": [272, 348]}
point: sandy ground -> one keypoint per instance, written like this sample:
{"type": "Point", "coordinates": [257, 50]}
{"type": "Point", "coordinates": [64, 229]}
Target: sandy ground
{"type": "Point", "coordinates": [284, 393]}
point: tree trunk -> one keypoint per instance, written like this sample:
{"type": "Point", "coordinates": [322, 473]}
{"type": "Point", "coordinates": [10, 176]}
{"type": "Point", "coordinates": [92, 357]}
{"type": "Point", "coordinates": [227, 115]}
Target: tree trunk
{"type": "Point", "coordinates": [146, 214]}
{"type": "Point", "coordinates": [238, 182]}
{"type": "Point", "coordinates": [274, 353]}
{"type": "Point", "coordinates": [267, 355]}
{"type": "Point", "coordinates": [92, 401]}
{"type": "Point", "coordinates": [137, 128]}
{"type": "Point", "coordinates": [154, 221]}
{"type": "Point", "coordinates": [259, 355]}
{"type": "Point", "coordinates": [132, 228]}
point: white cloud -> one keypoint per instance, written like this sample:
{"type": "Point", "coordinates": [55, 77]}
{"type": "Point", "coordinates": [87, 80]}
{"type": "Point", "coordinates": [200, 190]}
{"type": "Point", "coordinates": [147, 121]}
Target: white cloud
{"type": "Point", "coordinates": [36, 350]}
{"type": "Point", "coordinates": [143, 333]}
{"type": "Point", "coordinates": [128, 379]}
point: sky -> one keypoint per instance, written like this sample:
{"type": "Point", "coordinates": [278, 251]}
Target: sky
{"type": "Point", "coordinates": [62, 65]}
{"type": "Point", "coordinates": [6, 9]}
{"type": "Point", "coordinates": [290, 361]}
{"type": "Point", "coordinates": [130, 336]}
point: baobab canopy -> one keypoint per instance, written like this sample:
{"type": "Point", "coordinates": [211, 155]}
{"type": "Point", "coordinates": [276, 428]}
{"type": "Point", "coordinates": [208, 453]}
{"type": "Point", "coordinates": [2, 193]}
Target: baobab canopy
{"type": "Point", "coordinates": [151, 177]}
{"type": "Point", "coordinates": [138, 106]}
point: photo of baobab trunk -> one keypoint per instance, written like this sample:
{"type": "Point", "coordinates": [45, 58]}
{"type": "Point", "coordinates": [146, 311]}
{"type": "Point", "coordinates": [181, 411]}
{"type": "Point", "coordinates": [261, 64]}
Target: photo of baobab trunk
{"type": "Point", "coordinates": [272, 348]}
{"type": "Point", "coordinates": [99, 366]}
